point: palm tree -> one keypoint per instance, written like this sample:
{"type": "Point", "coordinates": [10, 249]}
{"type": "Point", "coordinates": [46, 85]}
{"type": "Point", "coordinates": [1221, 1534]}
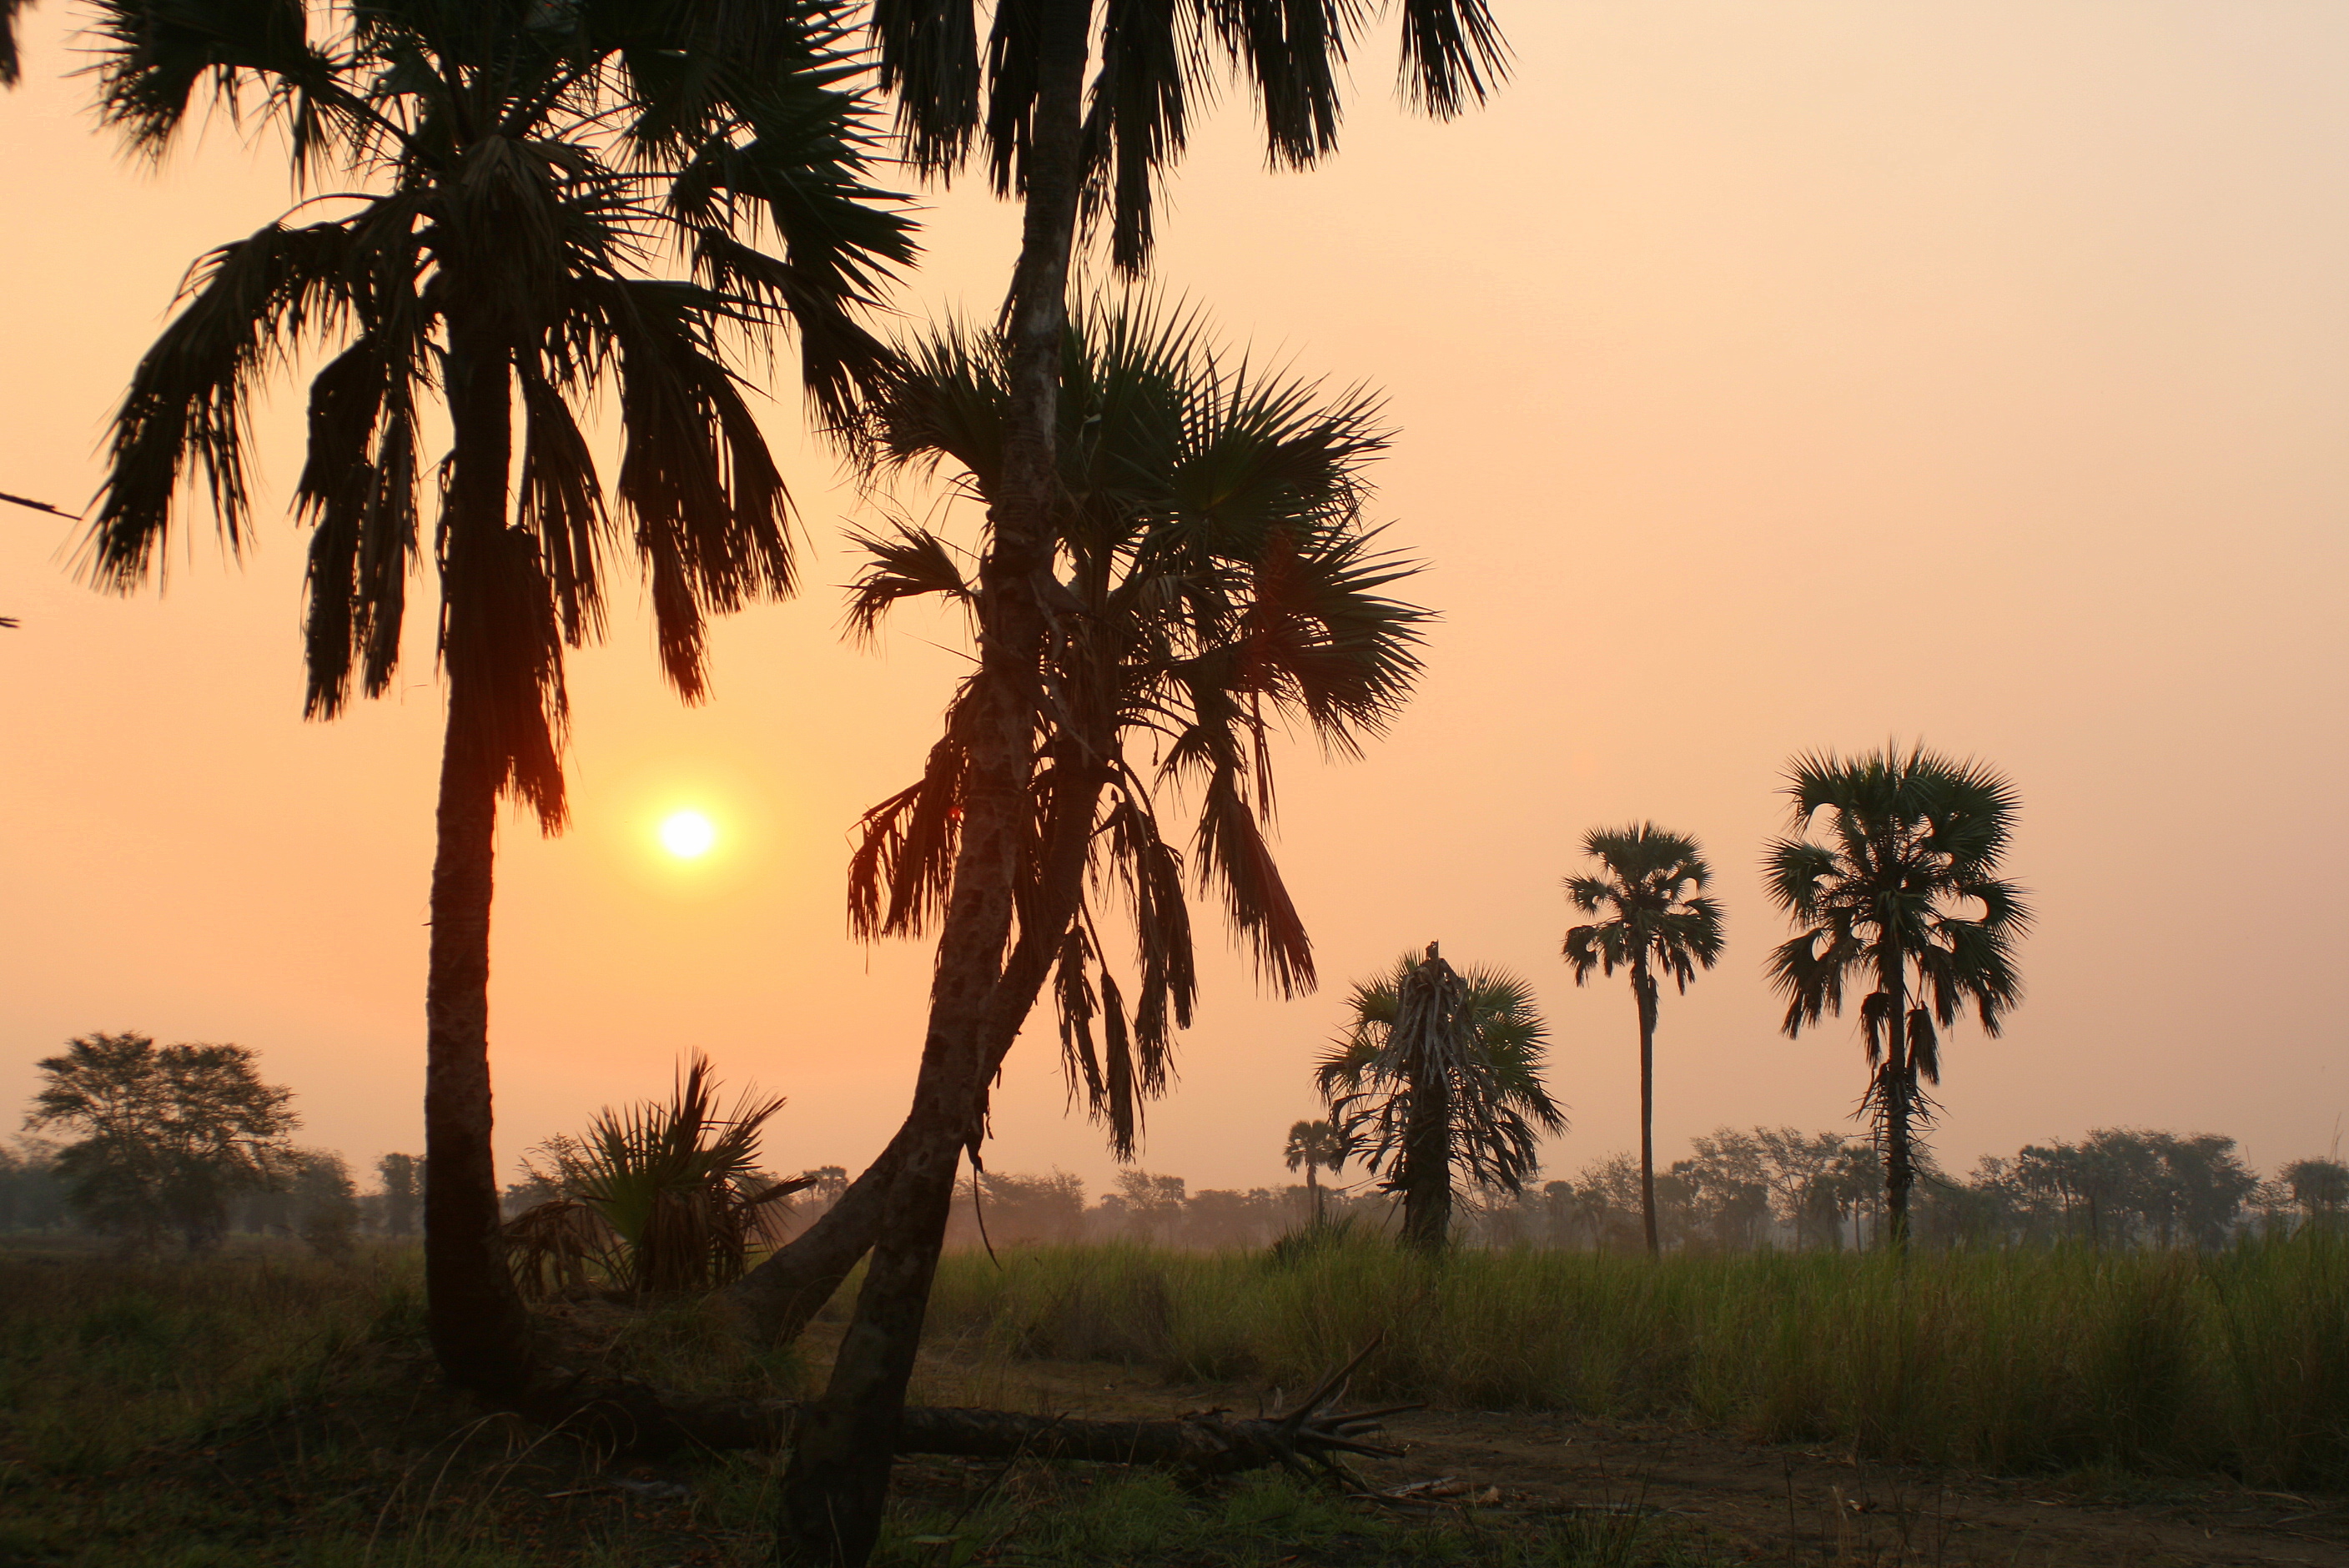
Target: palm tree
{"type": "Point", "coordinates": [1438, 1069]}
{"type": "Point", "coordinates": [514, 169]}
{"type": "Point", "coordinates": [1915, 844]}
{"type": "Point", "coordinates": [1314, 1146]}
{"type": "Point", "coordinates": [1659, 919]}
{"type": "Point", "coordinates": [1216, 582]}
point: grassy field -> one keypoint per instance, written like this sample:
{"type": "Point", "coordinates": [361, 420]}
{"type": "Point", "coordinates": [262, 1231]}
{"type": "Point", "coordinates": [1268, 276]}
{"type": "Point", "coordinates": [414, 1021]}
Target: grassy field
{"type": "Point", "coordinates": [271, 1406]}
{"type": "Point", "coordinates": [2171, 1362]}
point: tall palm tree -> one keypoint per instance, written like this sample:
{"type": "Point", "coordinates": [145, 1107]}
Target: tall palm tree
{"type": "Point", "coordinates": [1314, 1146]}
{"type": "Point", "coordinates": [515, 172]}
{"type": "Point", "coordinates": [1907, 897]}
{"type": "Point", "coordinates": [1215, 581]}
{"type": "Point", "coordinates": [1436, 1071]}
{"type": "Point", "coordinates": [1658, 918]}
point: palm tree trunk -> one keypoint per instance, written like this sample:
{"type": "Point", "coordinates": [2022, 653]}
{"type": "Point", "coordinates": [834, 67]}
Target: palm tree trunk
{"type": "Point", "coordinates": [1899, 1168]}
{"type": "Point", "coordinates": [1643, 988]}
{"type": "Point", "coordinates": [479, 1329]}
{"type": "Point", "coordinates": [1313, 1192]}
{"type": "Point", "coordinates": [838, 1478]}
{"type": "Point", "coordinates": [1427, 1167]}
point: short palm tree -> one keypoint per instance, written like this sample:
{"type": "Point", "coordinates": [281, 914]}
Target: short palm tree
{"type": "Point", "coordinates": [516, 171]}
{"type": "Point", "coordinates": [1439, 1071]}
{"type": "Point", "coordinates": [1314, 1146]}
{"type": "Point", "coordinates": [1906, 899]}
{"type": "Point", "coordinates": [1652, 891]}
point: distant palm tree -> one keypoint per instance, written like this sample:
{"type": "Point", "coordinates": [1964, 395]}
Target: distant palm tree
{"type": "Point", "coordinates": [514, 170]}
{"type": "Point", "coordinates": [1316, 1145]}
{"type": "Point", "coordinates": [1436, 1071]}
{"type": "Point", "coordinates": [1654, 886]}
{"type": "Point", "coordinates": [1917, 841]}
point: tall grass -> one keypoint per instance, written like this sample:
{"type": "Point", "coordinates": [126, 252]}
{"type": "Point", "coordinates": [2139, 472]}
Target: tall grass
{"type": "Point", "coordinates": [2000, 1361]}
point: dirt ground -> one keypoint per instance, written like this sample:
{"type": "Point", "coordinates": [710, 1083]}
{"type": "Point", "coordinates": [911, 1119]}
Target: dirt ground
{"type": "Point", "coordinates": [1751, 1502]}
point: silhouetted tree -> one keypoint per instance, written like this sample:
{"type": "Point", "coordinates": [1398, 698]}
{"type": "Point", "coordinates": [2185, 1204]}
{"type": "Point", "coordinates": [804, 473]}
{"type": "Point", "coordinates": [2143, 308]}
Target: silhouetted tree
{"type": "Point", "coordinates": [401, 1191]}
{"type": "Point", "coordinates": [1657, 920]}
{"type": "Point", "coordinates": [1070, 155]}
{"type": "Point", "coordinates": [509, 171]}
{"type": "Point", "coordinates": [1216, 581]}
{"type": "Point", "coordinates": [1917, 841]}
{"type": "Point", "coordinates": [1436, 1071]}
{"type": "Point", "coordinates": [1314, 1146]}
{"type": "Point", "coordinates": [169, 1133]}
{"type": "Point", "coordinates": [2320, 1188]}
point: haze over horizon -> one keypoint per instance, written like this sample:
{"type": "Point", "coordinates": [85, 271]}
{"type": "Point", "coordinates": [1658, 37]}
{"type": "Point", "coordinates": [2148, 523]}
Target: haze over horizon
{"type": "Point", "coordinates": [1767, 379]}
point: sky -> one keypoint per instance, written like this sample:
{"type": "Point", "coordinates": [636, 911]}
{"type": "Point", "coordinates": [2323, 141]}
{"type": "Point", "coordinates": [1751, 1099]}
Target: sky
{"type": "Point", "coordinates": [1767, 377]}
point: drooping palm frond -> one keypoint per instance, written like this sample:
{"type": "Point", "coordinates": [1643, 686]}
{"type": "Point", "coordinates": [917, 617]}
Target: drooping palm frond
{"type": "Point", "coordinates": [1213, 582]}
{"type": "Point", "coordinates": [1658, 917]}
{"type": "Point", "coordinates": [1155, 61]}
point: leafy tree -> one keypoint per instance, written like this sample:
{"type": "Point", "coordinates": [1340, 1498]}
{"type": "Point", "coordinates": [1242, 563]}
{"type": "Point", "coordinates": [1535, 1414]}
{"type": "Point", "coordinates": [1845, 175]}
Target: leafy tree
{"type": "Point", "coordinates": [169, 1133]}
{"type": "Point", "coordinates": [1917, 842]}
{"type": "Point", "coordinates": [1316, 1145]}
{"type": "Point", "coordinates": [1437, 1070]}
{"type": "Point", "coordinates": [1658, 919]}
{"type": "Point", "coordinates": [2320, 1188]}
{"type": "Point", "coordinates": [32, 1196]}
{"type": "Point", "coordinates": [400, 1176]}
{"type": "Point", "coordinates": [1083, 142]}
{"type": "Point", "coordinates": [511, 173]}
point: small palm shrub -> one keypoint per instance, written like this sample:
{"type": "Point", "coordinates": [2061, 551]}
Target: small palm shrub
{"type": "Point", "coordinates": [658, 1199]}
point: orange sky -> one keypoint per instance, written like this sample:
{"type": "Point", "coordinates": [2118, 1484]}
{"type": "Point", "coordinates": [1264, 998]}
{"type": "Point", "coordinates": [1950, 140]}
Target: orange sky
{"type": "Point", "coordinates": [1769, 376]}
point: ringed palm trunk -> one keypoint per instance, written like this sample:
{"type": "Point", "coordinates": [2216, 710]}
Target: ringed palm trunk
{"type": "Point", "coordinates": [479, 1329]}
{"type": "Point", "coordinates": [1643, 989]}
{"type": "Point", "coordinates": [1427, 1153]}
{"type": "Point", "coordinates": [1899, 1168]}
{"type": "Point", "coordinates": [838, 1479]}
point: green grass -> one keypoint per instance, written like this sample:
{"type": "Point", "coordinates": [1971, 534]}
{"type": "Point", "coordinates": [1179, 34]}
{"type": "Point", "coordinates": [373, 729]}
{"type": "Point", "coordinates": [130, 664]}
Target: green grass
{"type": "Point", "coordinates": [265, 1407]}
{"type": "Point", "coordinates": [2001, 1361]}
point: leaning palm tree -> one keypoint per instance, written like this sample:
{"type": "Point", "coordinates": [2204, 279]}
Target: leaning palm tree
{"type": "Point", "coordinates": [1216, 582]}
{"type": "Point", "coordinates": [1439, 1071]}
{"type": "Point", "coordinates": [1916, 843]}
{"type": "Point", "coordinates": [515, 172]}
{"type": "Point", "coordinates": [1314, 1146]}
{"type": "Point", "coordinates": [1658, 918]}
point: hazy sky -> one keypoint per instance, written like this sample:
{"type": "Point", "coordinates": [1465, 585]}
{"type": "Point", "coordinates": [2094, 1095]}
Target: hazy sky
{"type": "Point", "coordinates": [1769, 376]}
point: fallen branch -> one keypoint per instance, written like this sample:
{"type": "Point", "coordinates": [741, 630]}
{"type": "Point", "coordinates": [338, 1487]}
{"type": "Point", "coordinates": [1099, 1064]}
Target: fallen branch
{"type": "Point", "coordinates": [1314, 1434]}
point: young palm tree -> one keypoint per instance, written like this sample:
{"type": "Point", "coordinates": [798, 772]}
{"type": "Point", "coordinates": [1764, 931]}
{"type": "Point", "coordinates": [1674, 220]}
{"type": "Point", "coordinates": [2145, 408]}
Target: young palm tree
{"type": "Point", "coordinates": [1214, 581]}
{"type": "Point", "coordinates": [516, 169]}
{"type": "Point", "coordinates": [1316, 1147]}
{"type": "Point", "coordinates": [1438, 1069]}
{"type": "Point", "coordinates": [1915, 844]}
{"type": "Point", "coordinates": [1658, 919]}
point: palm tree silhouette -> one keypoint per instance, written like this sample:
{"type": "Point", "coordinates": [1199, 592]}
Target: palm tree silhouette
{"type": "Point", "coordinates": [1314, 1146]}
{"type": "Point", "coordinates": [1917, 841]}
{"type": "Point", "coordinates": [1438, 1069]}
{"type": "Point", "coordinates": [1653, 884]}
{"type": "Point", "coordinates": [1217, 581]}
{"type": "Point", "coordinates": [513, 171]}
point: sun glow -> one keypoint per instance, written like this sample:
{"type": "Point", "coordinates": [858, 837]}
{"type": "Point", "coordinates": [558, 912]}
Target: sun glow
{"type": "Point", "coordinates": [688, 835]}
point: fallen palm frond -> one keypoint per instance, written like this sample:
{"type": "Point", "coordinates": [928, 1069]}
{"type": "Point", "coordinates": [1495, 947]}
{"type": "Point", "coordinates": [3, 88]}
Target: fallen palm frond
{"type": "Point", "coordinates": [658, 1199]}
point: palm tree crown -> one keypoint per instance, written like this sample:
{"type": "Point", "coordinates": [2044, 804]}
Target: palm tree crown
{"type": "Point", "coordinates": [1437, 1069]}
{"type": "Point", "coordinates": [1907, 896]}
{"type": "Point", "coordinates": [518, 167]}
{"type": "Point", "coordinates": [1652, 897]}
{"type": "Point", "coordinates": [1214, 579]}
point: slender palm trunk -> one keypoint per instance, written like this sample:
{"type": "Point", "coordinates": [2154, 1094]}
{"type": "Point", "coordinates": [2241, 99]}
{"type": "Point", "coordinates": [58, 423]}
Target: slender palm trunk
{"type": "Point", "coordinates": [1313, 1192]}
{"type": "Point", "coordinates": [1899, 1168]}
{"type": "Point", "coordinates": [1643, 988]}
{"type": "Point", "coordinates": [839, 1474]}
{"type": "Point", "coordinates": [479, 1329]}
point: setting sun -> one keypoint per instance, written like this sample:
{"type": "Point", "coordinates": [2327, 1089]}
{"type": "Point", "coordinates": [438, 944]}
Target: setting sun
{"type": "Point", "coordinates": [688, 835]}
